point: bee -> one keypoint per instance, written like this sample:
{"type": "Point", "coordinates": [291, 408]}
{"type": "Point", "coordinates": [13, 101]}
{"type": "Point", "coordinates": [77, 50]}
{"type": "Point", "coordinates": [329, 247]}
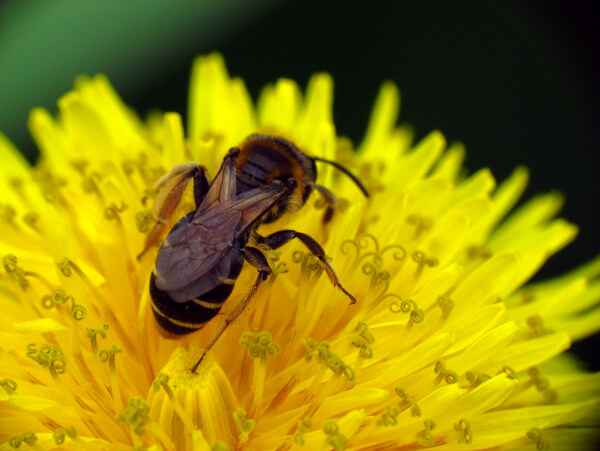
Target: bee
{"type": "Point", "coordinates": [198, 263]}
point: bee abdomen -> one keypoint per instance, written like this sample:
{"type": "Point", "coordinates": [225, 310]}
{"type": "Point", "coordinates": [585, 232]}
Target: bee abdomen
{"type": "Point", "coordinates": [183, 318]}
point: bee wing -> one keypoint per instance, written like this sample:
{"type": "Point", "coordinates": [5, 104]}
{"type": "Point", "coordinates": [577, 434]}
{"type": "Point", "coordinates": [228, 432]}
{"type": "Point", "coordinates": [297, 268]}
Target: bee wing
{"type": "Point", "coordinates": [222, 187]}
{"type": "Point", "coordinates": [196, 251]}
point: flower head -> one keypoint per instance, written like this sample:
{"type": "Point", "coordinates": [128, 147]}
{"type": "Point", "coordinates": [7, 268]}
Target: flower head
{"type": "Point", "coordinates": [446, 345]}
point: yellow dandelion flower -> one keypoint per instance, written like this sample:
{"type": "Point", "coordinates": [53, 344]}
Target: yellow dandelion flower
{"type": "Point", "coordinates": [446, 346]}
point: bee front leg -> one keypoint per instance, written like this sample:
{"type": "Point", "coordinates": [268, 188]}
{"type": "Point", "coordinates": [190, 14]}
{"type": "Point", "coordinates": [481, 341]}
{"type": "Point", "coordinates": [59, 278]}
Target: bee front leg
{"type": "Point", "coordinates": [278, 239]}
{"type": "Point", "coordinates": [259, 261]}
{"type": "Point", "coordinates": [170, 188]}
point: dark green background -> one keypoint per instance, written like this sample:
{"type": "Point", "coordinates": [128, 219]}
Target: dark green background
{"type": "Point", "coordinates": [516, 81]}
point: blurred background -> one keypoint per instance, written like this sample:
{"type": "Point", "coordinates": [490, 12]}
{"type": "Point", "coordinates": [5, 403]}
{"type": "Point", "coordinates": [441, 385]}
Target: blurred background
{"type": "Point", "coordinates": [516, 81]}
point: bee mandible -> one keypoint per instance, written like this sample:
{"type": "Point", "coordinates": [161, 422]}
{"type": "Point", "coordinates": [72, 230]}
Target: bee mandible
{"type": "Point", "coordinates": [198, 263]}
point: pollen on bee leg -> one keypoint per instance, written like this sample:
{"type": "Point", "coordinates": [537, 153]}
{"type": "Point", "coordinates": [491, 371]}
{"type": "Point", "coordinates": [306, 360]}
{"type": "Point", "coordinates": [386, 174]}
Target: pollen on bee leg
{"type": "Point", "coordinates": [206, 399]}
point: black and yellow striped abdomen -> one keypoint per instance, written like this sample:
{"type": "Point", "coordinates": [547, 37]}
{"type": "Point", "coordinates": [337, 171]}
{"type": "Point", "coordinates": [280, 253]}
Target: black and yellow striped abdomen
{"type": "Point", "coordinates": [180, 318]}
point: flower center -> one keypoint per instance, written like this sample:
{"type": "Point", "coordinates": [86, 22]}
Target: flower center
{"type": "Point", "coordinates": [182, 402]}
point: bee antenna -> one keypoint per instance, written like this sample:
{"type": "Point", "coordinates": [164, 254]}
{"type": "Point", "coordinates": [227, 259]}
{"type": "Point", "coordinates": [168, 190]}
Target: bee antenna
{"type": "Point", "coordinates": [345, 171]}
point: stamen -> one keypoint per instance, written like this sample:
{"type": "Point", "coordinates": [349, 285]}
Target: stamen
{"type": "Point", "coordinates": [327, 357]}
{"type": "Point", "coordinates": [535, 435]}
{"type": "Point", "coordinates": [303, 425]}
{"type": "Point", "coordinates": [399, 255]}
{"type": "Point", "coordinates": [245, 425]}
{"type": "Point", "coordinates": [423, 260]}
{"type": "Point", "coordinates": [113, 211]}
{"type": "Point", "coordinates": [148, 194]}
{"type": "Point", "coordinates": [259, 344]}
{"type": "Point", "coordinates": [475, 379]}
{"type": "Point", "coordinates": [425, 438]}
{"type": "Point", "coordinates": [162, 381]}
{"type": "Point", "coordinates": [67, 266]}
{"type": "Point", "coordinates": [144, 220]}
{"type": "Point", "coordinates": [307, 261]}
{"type": "Point", "coordinates": [512, 374]}
{"type": "Point", "coordinates": [61, 434]}
{"type": "Point", "coordinates": [421, 224]}
{"type": "Point", "coordinates": [416, 315]}
{"type": "Point", "coordinates": [47, 356]}
{"type": "Point", "coordinates": [479, 253]}
{"type": "Point", "coordinates": [8, 214]}
{"type": "Point", "coordinates": [9, 262]}
{"type": "Point", "coordinates": [58, 297]}
{"type": "Point", "coordinates": [136, 416]}
{"type": "Point", "coordinates": [442, 373]}
{"type": "Point", "coordinates": [29, 438]}
{"type": "Point", "coordinates": [93, 333]}
{"type": "Point", "coordinates": [109, 355]}
{"type": "Point", "coordinates": [415, 410]}
{"type": "Point", "coordinates": [280, 268]}
{"type": "Point", "coordinates": [335, 438]}
{"type": "Point", "coordinates": [542, 384]}
{"type": "Point", "coordinates": [388, 418]}
{"type": "Point", "coordinates": [463, 427]}
{"type": "Point", "coordinates": [446, 304]}
{"type": "Point", "coordinates": [9, 385]}
{"type": "Point", "coordinates": [31, 219]}
{"type": "Point", "coordinates": [536, 323]}
{"type": "Point", "coordinates": [363, 340]}
{"type": "Point", "coordinates": [377, 276]}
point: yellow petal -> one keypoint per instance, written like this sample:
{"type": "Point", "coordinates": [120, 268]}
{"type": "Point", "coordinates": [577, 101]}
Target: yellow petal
{"type": "Point", "coordinates": [38, 326]}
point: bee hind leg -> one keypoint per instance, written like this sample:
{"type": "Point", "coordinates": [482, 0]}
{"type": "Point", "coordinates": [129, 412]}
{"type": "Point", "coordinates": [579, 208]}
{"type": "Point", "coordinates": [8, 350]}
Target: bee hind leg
{"type": "Point", "coordinates": [278, 239]}
{"type": "Point", "coordinates": [170, 188]}
{"type": "Point", "coordinates": [259, 261]}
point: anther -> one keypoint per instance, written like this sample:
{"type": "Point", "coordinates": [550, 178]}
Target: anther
{"type": "Point", "coordinates": [425, 438]}
{"type": "Point", "coordinates": [9, 385]}
{"type": "Point", "coordinates": [135, 415]}
{"type": "Point", "coordinates": [463, 427]}
{"type": "Point", "coordinates": [512, 374]}
{"type": "Point", "coordinates": [475, 379]}
{"type": "Point", "coordinates": [421, 224]}
{"type": "Point", "coordinates": [479, 253]}
{"type": "Point", "coordinates": [389, 417]}
{"type": "Point", "coordinates": [245, 425]}
{"type": "Point", "coordinates": [61, 434]}
{"type": "Point", "coordinates": [336, 440]}
{"type": "Point", "coordinates": [416, 315]}
{"type": "Point", "coordinates": [28, 438]}
{"type": "Point", "coordinates": [113, 210]}
{"type": "Point", "coordinates": [144, 220]}
{"type": "Point", "coordinates": [446, 304]}
{"type": "Point", "coordinates": [423, 260]}
{"type": "Point", "coordinates": [302, 426]}
{"type": "Point", "coordinates": [535, 435]}
{"type": "Point", "coordinates": [415, 410]}
{"type": "Point", "coordinates": [259, 344]}
{"type": "Point", "coordinates": [442, 373]}
{"type": "Point", "coordinates": [363, 340]}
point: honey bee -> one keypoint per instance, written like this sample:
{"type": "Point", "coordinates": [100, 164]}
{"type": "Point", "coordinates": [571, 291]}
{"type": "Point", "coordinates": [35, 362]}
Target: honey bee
{"type": "Point", "coordinates": [198, 263]}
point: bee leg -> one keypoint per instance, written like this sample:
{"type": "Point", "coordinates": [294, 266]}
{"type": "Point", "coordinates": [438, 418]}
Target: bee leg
{"type": "Point", "coordinates": [330, 200]}
{"type": "Point", "coordinates": [170, 189]}
{"type": "Point", "coordinates": [259, 261]}
{"type": "Point", "coordinates": [278, 239]}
